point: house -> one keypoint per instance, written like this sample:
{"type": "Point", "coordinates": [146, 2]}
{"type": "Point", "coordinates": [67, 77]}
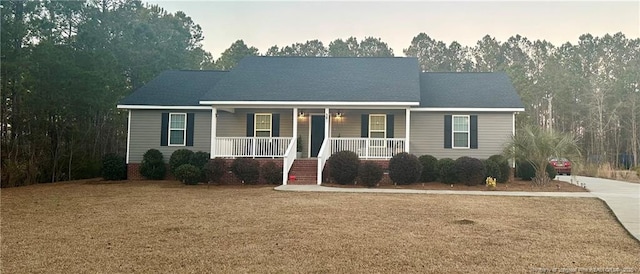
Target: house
{"type": "Point", "coordinates": [376, 107]}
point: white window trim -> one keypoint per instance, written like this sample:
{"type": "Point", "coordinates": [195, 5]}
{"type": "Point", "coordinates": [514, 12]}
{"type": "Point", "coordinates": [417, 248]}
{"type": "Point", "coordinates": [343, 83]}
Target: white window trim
{"type": "Point", "coordinates": [255, 124]}
{"type": "Point", "coordinates": [453, 131]}
{"type": "Point", "coordinates": [384, 130]}
{"type": "Point", "coordinates": [184, 130]}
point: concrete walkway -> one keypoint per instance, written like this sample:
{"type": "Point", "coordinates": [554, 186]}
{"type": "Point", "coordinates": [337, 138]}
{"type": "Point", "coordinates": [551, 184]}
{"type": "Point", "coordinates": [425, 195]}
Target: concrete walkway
{"type": "Point", "coordinates": [623, 198]}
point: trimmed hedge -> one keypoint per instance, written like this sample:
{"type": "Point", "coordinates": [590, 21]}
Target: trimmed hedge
{"type": "Point", "coordinates": [446, 173]}
{"type": "Point", "coordinates": [492, 169]}
{"type": "Point", "coordinates": [525, 171]}
{"type": "Point", "coordinates": [178, 158]}
{"type": "Point", "coordinates": [503, 166]}
{"type": "Point", "coordinates": [215, 169]}
{"type": "Point", "coordinates": [370, 173]}
{"type": "Point", "coordinates": [188, 174]}
{"type": "Point", "coordinates": [271, 173]}
{"type": "Point", "coordinates": [404, 168]}
{"type": "Point", "coordinates": [152, 166]}
{"type": "Point", "coordinates": [470, 171]}
{"type": "Point", "coordinates": [344, 166]}
{"type": "Point", "coordinates": [429, 168]}
{"type": "Point", "coordinates": [246, 169]}
{"type": "Point", "coordinates": [114, 167]}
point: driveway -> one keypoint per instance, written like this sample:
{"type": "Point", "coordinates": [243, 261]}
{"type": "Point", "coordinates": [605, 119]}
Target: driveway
{"type": "Point", "coordinates": [622, 197]}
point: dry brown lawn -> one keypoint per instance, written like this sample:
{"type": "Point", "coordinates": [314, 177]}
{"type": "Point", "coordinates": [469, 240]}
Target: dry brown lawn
{"type": "Point", "coordinates": [168, 227]}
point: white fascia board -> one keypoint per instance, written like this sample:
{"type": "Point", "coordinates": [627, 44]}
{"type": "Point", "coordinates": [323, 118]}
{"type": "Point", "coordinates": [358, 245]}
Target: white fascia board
{"type": "Point", "coordinates": [162, 107]}
{"type": "Point", "coordinates": [432, 109]}
{"type": "Point", "coordinates": [306, 103]}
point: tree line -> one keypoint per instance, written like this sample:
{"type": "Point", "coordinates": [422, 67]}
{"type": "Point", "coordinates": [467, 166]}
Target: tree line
{"type": "Point", "coordinates": [66, 64]}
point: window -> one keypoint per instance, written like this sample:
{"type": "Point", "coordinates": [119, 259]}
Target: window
{"type": "Point", "coordinates": [263, 125]}
{"type": "Point", "coordinates": [460, 131]}
{"type": "Point", "coordinates": [177, 129]}
{"type": "Point", "coordinates": [377, 129]}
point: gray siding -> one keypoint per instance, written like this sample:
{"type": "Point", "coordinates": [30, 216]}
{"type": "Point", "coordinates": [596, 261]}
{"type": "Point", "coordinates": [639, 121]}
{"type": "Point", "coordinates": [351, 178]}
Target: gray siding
{"type": "Point", "coordinates": [427, 134]}
{"type": "Point", "coordinates": [145, 133]}
{"type": "Point", "coordinates": [349, 124]}
{"type": "Point", "coordinates": [235, 124]}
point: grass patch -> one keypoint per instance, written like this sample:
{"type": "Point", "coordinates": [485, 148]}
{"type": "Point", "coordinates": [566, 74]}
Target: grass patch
{"type": "Point", "coordinates": [164, 226]}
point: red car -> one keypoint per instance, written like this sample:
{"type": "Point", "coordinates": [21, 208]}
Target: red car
{"type": "Point", "coordinates": [561, 165]}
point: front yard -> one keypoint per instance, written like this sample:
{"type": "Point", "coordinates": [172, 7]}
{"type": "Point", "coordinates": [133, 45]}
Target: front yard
{"type": "Point", "coordinates": [89, 226]}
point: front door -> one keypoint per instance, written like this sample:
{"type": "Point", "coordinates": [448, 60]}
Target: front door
{"type": "Point", "coordinates": [317, 134]}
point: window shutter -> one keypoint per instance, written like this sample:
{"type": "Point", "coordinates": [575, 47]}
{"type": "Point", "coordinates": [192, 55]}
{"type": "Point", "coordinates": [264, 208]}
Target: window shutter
{"type": "Point", "coordinates": [250, 124]}
{"type": "Point", "coordinates": [447, 131]}
{"type": "Point", "coordinates": [364, 126]}
{"type": "Point", "coordinates": [473, 131]}
{"type": "Point", "coordinates": [275, 125]}
{"type": "Point", "coordinates": [389, 125]}
{"type": "Point", "coordinates": [190, 128]}
{"type": "Point", "coordinates": [164, 129]}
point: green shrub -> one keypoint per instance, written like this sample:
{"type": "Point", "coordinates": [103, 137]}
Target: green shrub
{"type": "Point", "coordinates": [152, 166]}
{"type": "Point", "coordinates": [246, 169]}
{"type": "Point", "coordinates": [271, 173]}
{"type": "Point", "coordinates": [492, 169]}
{"type": "Point", "coordinates": [404, 168]}
{"type": "Point", "coordinates": [446, 172]}
{"type": "Point", "coordinates": [188, 174]}
{"type": "Point", "coordinates": [215, 170]}
{"type": "Point", "coordinates": [370, 173]}
{"type": "Point", "coordinates": [470, 171]}
{"type": "Point", "coordinates": [429, 168]}
{"type": "Point", "coordinates": [525, 171]}
{"type": "Point", "coordinates": [178, 158]}
{"type": "Point", "coordinates": [551, 171]}
{"type": "Point", "coordinates": [114, 167]}
{"type": "Point", "coordinates": [344, 167]}
{"type": "Point", "coordinates": [503, 165]}
{"type": "Point", "coordinates": [200, 159]}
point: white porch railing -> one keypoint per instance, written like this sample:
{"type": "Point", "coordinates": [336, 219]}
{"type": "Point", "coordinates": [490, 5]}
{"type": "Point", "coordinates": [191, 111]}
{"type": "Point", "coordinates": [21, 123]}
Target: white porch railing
{"type": "Point", "coordinates": [289, 157]}
{"type": "Point", "coordinates": [369, 148]}
{"type": "Point", "coordinates": [323, 156]}
{"type": "Point", "coordinates": [252, 146]}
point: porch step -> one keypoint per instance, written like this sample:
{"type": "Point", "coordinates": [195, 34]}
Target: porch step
{"type": "Point", "coordinates": [305, 171]}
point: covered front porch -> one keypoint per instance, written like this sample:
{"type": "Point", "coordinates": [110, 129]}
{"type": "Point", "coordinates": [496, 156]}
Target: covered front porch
{"type": "Point", "coordinates": [309, 132]}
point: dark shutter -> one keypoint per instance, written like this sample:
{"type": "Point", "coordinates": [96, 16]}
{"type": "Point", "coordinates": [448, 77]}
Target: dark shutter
{"type": "Point", "coordinates": [250, 124]}
{"type": "Point", "coordinates": [275, 125]}
{"type": "Point", "coordinates": [364, 126]}
{"type": "Point", "coordinates": [447, 131]}
{"type": "Point", "coordinates": [164, 129]}
{"type": "Point", "coordinates": [190, 128]}
{"type": "Point", "coordinates": [473, 131]}
{"type": "Point", "coordinates": [389, 125]}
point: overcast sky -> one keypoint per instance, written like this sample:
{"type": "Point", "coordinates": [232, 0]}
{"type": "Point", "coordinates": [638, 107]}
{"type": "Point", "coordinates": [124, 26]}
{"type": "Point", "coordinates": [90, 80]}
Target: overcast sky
{"type": "Point", "coordinates": [263, 24]}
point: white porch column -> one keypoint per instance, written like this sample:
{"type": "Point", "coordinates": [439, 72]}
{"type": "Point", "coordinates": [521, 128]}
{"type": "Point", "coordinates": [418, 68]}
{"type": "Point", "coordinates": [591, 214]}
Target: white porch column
{"type": "Point", "coordinates": [407, 132]}
{"type": "Point", "coordinates": [327, 118]}
{"type": "Point", "coordinates": [295, 125]}
{"type": "Point", "coordinates": [214, 125]}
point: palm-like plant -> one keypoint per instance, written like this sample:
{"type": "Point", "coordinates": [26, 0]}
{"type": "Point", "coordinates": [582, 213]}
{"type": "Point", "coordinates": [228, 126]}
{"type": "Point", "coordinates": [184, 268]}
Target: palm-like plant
{"type": "Point", "coordinates": [536, 146]}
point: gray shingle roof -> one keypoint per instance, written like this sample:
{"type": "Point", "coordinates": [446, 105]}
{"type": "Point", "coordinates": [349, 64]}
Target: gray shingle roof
{"type": "Point", "coordinates": [175, 88]}
{"type": "Point", "coordinates": [317, 79]}
{"type": "Point", "coordinates": [468, 90]}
